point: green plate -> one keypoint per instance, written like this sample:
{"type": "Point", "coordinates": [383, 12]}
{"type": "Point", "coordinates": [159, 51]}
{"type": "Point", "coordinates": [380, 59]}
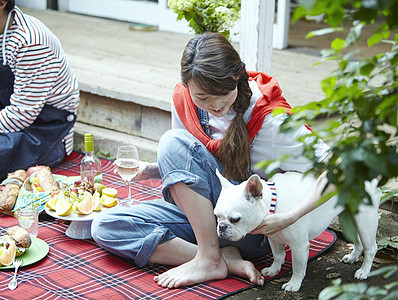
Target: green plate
{"type": "Point", "coordinates": [36, 252]}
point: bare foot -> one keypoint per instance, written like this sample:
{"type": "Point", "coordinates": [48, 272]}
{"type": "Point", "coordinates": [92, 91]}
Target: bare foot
{"type": "Point", "coordinates": [240, 267]}
{"type": "Point", "coordinates": [197, 270]}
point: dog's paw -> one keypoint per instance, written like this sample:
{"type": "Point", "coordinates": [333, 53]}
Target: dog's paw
{"type": "Point", "coordinates": [350, 258]}
{"type": "Point", "coordinates": [270, 272]}
{"type": "Point", "coordinates": [291, 286]}
{"type": "Point", "coordinates": [361, 274]}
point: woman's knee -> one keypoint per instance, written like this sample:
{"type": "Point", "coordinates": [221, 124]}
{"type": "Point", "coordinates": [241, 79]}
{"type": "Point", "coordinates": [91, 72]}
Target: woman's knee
{"type": "Point", "coordinates": [173, 142]}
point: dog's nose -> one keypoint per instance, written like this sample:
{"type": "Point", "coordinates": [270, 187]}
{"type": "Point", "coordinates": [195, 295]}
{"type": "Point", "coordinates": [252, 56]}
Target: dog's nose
{"type": "Point", "coordinates": [222, 227]}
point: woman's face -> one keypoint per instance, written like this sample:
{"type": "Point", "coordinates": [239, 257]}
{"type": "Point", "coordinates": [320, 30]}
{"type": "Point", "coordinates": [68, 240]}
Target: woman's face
{"type": "Point", "coordinates": [216, 105]}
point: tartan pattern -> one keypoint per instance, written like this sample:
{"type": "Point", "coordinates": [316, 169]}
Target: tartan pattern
{"type": "Point", "coordinates": [79, 269]}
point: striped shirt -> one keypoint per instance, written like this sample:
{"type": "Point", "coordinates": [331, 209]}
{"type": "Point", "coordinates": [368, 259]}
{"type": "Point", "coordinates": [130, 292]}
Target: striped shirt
{"type": "Point", "coordinates": [42, 75]}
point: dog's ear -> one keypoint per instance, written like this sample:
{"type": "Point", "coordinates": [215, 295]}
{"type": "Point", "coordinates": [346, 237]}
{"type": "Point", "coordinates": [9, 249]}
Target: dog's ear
{"type": "Point", "coordinates": [254, 188]}
{"type": "Point", "coordinates": [224, 182]}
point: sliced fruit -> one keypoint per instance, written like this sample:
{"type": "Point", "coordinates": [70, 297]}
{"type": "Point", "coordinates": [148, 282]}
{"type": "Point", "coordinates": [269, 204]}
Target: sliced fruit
{"type": "Point", "coordinates": [63, 206]}
{"type": "Point", "coordinates": [84, 195]}
{"type": "Point", "coordinates": [86, 206]}
{"type": "Point", "coordinates": [74, 209]}
{"type": "Point", "coordinates": [98, 187]}
{"type": "Point", "coordinates": [108, 201]}
{"type": "Point", "coordinates": [51, 204]}
{"type": "Point", "coordinates": [111, 192]}
{"type": "Point", "coordinates": [97, 201]}
{"type": "Point", "coordinates": [8, 252]}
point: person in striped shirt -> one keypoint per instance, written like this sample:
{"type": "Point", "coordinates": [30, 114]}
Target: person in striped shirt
{"type": "Point", "coordinates": [39, 94]}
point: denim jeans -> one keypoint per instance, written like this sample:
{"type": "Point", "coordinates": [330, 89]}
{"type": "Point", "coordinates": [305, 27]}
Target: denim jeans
{"type": "Point", "coordinates": [135, 232]}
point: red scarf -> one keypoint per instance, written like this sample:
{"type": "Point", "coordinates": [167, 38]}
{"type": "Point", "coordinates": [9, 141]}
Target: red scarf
{"type": "Point", "coordinates": [272, 98]}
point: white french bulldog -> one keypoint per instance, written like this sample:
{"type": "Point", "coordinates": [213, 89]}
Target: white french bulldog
{"type": "Point", "coordinates": [241, 208]}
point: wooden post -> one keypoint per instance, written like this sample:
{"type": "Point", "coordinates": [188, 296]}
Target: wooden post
{"type": "Point", "coordinates": [256, 37]}
{"type": "Point", "coordinates": [281, 26]}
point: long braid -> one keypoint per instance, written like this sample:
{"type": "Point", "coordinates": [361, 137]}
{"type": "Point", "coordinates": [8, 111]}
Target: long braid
{"type": "Point", "coordinates": [234, 150]}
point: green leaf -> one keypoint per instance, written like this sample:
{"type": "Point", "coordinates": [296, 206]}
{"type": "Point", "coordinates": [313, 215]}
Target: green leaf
{"type": "Point", "coordinates": [355, 288]}
{"type": "Point", "coordinates": [374, 39]}
{"type": "Point", "coordinates": [337, 44]}
{"type": "Point", "coordinates": [386, 271]}
{"type": "Point", "coordinates": [330, 292]}
{"type": "Point", "coordinates": [299, 13]}
{"type": "Point", "coordinates": [348, 225]}
{"type": "Point", "coordinates": [354, 34]}
{"type": "Point", "coordinates": [391, 285]}
{"type": "Point", "coordinates": [323, 31]}
{"type": "Point", "coordinates": [375, 162]}
{"type": "Point", "coordinates": [367, 68]}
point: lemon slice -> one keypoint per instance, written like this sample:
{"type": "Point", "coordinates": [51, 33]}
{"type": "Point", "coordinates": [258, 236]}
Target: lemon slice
{"type": "Point", "coordinates": [97, 202]}
{"type": "Point", "coordinates": [25, 222]}
{"type": "Point", "coordinates": [98, 187]}
{"type": "Point", "coordinates": [63, 206]}
{"type": "Point", "coordinates": [108, 201]}
{"type": "Point", "coordinates": [51, 204]}
{"type": "Point", "coordinates": [86, 206]}
{"type": "Point", "coordinates": [111, 192]}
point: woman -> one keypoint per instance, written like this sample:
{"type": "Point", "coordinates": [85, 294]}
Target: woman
{"type": "Point", "coordinates": [39, 95]}
{"type": "Point", "coordinates": [222, 119]}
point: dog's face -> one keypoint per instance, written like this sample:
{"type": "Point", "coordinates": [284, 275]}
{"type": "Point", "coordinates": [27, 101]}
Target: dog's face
{"type": "Point", "coordinates": [240, 208]}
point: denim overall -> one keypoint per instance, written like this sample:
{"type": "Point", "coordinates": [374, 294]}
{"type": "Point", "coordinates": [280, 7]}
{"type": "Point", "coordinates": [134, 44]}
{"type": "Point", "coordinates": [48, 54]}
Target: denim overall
{"type": "Point", "coordinates": [41, 142]}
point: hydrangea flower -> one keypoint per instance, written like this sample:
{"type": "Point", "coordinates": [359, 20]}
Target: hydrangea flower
{"type": "Point", "coordinates": [207, 15]}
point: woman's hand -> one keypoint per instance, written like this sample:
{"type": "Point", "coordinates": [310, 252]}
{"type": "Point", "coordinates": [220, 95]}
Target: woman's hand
{"type": "Point", "coordinates": [147, 171]}
{"type": "Point", "coordinates": [275, 222]}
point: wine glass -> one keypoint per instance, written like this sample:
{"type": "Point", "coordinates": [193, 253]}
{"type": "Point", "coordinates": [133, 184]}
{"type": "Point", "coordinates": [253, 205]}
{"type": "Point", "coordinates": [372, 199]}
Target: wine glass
{"type": "Point", "coordinates": [127, 166]}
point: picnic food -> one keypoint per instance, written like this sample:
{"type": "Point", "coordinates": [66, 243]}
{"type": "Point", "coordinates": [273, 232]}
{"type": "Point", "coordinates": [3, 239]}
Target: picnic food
{"type": "Point", "coordinates": [8, 196]}
{"type": "Point", "coordinates": [9, 192]}
{"type": "Point", "coordinates": [7, 250]}
{"type": "Point", "coordinates": [86, 206]}
{"type": "Point", "coordinates": [108, 201]}
{"type": "Point", "coordinates": [45, 180]}
{"type": "Point", "coordinates": [82, 198]}
{"type": "Point", "coordinates": [62, 206]}
{"type": "Point", "coordinates": [97, 201]}
{"type": "Point", "coordinates": [21, 238]}
{"type": "Point", "coordinates": [111, 192]}
{"type": "Point", "coordinates": [18, 174]}
{"type": "Point", "coordinates": [34, 169]}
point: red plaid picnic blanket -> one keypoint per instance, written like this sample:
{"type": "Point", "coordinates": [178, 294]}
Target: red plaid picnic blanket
{"type": "Point", "coordinates": [79, 269]}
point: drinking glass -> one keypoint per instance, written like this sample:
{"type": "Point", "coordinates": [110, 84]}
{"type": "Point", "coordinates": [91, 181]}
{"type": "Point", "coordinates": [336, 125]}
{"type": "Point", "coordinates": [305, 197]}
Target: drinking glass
{"type": "Point", "coordinates": [127, 166]}
{"type": "Point", "coordinates": [28, 218]}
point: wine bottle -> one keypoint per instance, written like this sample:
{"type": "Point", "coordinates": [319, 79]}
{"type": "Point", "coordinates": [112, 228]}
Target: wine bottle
{"type": "Point", "coordinates": [90, 165]}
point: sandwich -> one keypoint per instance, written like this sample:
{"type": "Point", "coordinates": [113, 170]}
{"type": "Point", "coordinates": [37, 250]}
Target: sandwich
{"type": "Point", "coordinates": [21, 238]}
{"type": "Point", "coordinates": [7, 250]}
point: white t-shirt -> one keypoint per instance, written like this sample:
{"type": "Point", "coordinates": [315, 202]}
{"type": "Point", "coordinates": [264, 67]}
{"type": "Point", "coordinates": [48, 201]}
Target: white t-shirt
{"type": "Point", "coordinates": [269, 143]}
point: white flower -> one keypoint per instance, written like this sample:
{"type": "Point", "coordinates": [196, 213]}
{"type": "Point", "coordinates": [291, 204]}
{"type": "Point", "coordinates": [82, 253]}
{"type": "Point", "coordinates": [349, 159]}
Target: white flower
{"type": "Point", "coordinates": [181, 5]}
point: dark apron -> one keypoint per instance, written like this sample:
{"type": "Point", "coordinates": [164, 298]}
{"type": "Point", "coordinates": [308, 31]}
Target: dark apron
{"type": "Point", "coordinates": [36, 143]}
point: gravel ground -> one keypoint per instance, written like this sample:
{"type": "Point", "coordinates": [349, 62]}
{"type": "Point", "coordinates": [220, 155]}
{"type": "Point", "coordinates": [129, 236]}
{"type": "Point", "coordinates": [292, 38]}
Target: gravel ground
{"type": "Point", "coordinates": [321, 271]}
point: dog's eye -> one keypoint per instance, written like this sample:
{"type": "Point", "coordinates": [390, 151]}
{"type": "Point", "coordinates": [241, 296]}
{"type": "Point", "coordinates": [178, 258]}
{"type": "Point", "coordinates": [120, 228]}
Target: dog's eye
{"type": "Point", "coordinates": [234, 220]}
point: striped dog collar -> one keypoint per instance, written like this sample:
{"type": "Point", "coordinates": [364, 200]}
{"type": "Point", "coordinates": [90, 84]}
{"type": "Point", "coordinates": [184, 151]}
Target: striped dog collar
{"type": "Point", "coordinates": [273, 196]}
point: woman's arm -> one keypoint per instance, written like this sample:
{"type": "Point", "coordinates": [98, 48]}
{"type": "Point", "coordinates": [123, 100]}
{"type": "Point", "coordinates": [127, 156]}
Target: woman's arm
{"type": "Point", "coordinates": [278, 221]}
